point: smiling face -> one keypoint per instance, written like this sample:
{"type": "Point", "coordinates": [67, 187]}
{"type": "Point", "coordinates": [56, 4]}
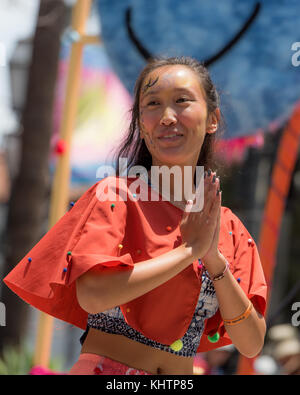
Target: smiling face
{"type": "Point", "coordinates": [172, 103]}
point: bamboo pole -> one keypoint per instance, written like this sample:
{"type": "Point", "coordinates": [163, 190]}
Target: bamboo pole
{"type": "Point", "coordinates": [60, 189]}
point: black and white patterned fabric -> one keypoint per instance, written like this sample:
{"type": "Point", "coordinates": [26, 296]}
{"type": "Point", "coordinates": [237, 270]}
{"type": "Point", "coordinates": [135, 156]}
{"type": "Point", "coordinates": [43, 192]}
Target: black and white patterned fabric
{"type": "Point", "coordinates": [112, 321]}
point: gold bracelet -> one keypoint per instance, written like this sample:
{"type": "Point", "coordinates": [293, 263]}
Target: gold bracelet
{"type": "Point", "coordinates": [241, 317]}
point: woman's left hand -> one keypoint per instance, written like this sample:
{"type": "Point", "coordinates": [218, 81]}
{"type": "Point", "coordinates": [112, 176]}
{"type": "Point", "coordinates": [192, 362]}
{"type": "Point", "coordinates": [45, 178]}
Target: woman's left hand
{"type": "Point", "coordinates": [213, 252]}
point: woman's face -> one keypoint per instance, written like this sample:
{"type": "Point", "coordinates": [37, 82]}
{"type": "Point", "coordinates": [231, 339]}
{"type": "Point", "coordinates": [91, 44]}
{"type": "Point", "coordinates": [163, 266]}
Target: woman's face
{"type": "Point", "coordinates": [172, 102]}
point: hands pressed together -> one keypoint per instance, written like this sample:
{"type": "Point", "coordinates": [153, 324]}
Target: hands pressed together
{"type": "Point", "coordinates": [200, 229]}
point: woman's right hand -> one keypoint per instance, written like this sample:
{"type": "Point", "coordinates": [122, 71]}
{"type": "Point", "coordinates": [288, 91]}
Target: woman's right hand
{"type": "Point", "coordinates": [198, 227]}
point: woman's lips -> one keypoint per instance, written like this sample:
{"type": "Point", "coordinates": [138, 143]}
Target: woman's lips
{"type": "Point", "coordinates": [171, 139]}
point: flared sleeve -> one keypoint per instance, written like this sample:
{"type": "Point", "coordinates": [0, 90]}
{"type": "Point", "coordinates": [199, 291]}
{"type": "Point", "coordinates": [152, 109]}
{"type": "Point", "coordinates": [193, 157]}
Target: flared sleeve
{"type": "Point", "coordinates": [88, 236]}
{"type": "Point", "coordinates": [239, 248]}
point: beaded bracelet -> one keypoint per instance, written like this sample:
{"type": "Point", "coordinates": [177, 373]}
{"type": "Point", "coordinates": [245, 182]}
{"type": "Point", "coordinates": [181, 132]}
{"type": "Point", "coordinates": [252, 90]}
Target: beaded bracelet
{"type": "Point", "coordinates": [241, 317]}
{"type": "Point", "coordinates": [220, 276]}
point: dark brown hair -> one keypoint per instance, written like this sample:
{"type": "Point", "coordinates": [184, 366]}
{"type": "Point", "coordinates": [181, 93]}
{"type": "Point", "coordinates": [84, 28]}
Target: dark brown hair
{"type": "Point", "coordinates": [134, 148]}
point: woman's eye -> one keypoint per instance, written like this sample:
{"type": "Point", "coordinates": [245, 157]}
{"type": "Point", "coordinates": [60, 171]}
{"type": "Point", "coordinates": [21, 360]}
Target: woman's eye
{"type": "Point", "coordinates": [152, 103]}
{"type": "Point", "coordinates": [182, 99]}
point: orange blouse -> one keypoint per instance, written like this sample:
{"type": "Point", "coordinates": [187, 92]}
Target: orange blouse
{"type": "Point", "coordinates": [122, 232]}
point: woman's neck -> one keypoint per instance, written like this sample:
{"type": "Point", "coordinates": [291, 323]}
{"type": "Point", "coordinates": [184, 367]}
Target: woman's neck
{"type": "Point", "coordinates": [176, 186]}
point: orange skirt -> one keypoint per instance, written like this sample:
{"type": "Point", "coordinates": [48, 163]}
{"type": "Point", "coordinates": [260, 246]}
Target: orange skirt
{"type": "Point", "coordinates": [93, 364]}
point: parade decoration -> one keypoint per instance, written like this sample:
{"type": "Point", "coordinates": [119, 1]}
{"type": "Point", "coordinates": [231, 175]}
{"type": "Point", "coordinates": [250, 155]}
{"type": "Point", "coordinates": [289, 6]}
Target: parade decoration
{"type": "Point", "coordinates": [250, 48]}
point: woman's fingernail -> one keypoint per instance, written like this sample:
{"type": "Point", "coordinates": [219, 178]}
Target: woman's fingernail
{"type": "Point", "coordinates": [214, 179]}
{"type": "Point", "coordinates": [209, 172]}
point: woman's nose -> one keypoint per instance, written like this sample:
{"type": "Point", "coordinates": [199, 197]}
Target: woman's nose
{"type": "Point", "coordinates": [168, 117]}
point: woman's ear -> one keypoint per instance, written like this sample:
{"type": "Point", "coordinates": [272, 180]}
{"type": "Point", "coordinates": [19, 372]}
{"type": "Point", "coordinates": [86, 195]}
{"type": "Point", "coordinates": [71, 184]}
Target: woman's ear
{"type": "Point", "coordinates": [213, 121]}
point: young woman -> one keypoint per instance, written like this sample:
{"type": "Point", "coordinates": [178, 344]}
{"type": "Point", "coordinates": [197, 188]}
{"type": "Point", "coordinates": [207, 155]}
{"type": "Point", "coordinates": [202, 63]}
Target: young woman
{"type": "Point", "coordinates": [153, 281]}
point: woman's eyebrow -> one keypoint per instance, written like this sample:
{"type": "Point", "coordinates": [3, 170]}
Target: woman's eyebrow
{"type": "Point", "coordinates": [155, 91]}
{"type": "Point", "coordinates": [150, 92]}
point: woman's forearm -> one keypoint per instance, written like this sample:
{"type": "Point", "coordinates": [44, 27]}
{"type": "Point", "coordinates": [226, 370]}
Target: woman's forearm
{"type": "Point", "coordinates": [112, 287]}
{"type": "Point", "coordinates": [248, 335]}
